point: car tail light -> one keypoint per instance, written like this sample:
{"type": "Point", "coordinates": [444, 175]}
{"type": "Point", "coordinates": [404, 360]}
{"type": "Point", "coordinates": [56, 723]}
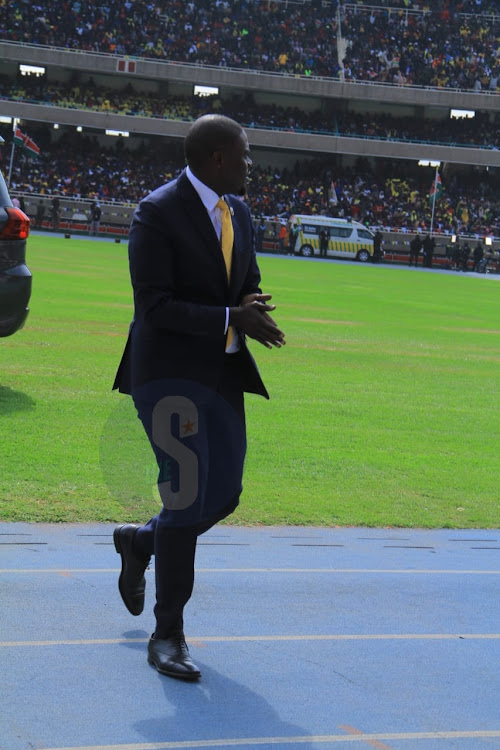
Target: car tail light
{"type": "Point", "coordinates": [17, 226]}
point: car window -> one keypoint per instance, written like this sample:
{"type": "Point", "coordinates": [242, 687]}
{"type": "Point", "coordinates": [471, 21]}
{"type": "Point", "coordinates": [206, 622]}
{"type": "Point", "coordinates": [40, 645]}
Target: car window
{"type": "Point", "coordinates": [340, 231]}
{"type": "Point", "coordinates": [364, 234]}
{"type": "Point", "coordinates": [334, 231]}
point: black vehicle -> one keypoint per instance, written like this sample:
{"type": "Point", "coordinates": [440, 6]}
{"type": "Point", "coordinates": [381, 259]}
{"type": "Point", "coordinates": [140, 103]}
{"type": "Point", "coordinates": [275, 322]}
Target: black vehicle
{"type": "Point", "coordinates": [15, 277]}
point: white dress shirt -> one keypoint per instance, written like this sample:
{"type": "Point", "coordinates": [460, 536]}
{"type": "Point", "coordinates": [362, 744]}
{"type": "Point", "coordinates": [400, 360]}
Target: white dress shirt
{"type": "Point", "coordinates": [209, 198]}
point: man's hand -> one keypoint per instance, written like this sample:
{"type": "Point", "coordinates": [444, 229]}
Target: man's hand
{"type": "Point", "coordinates": [249, 298]}
{"type": "Point", "coordinates": [252, 318]}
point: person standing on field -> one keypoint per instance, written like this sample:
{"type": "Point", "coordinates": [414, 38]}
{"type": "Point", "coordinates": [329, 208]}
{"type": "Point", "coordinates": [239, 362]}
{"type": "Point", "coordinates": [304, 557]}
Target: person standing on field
{"type": "Point", "coordinates": [292, 239]}
{"type": "Point", "coordinates": [428, 246]}
{"type": "Point", "coordinates": [477, 256]}
{"type": "Point", "coordinates": [95, 219]}
{"type": "Point", "coordinates": [282, 238]}
{"type": "Point", "coordinates": [378, 253]}
{"type": "Point", "coordinates": [197, 296]}
{"type": "Point", "coordinates": [324, 238]}
{"type": "Point", "coordinates": [415, 247]}
{"type": "Point", "coordinates": [261, 232]}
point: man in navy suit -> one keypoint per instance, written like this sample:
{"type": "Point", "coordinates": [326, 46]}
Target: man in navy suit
{"type": "Point", "coordinates": [186, 364]}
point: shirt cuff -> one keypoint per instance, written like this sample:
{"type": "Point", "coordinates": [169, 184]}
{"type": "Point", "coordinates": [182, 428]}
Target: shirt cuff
{"type": "Point", "coordinates": [227, 321]}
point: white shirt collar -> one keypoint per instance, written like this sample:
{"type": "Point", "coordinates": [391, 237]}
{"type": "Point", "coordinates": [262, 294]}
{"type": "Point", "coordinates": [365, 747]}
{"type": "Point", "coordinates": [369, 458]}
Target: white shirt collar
{"type": "Point", "coordinates": [208, 196]}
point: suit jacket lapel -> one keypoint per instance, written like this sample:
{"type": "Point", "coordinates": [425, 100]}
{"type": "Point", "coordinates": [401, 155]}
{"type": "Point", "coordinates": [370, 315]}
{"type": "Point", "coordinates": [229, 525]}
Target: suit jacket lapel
{"type": "Point", "coordinates": [201, 221]}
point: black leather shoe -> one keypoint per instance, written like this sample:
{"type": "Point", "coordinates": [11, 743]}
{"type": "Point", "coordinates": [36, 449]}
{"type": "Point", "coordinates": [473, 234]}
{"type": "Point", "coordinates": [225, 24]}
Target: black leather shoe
{"type": "Point", "coordinates": [131, 583]}
{"type": "Point", "coordinates": [171, 657]}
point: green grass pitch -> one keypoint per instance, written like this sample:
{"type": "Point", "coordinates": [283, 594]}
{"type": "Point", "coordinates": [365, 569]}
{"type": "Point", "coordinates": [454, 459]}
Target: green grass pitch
{"type": "Point", "coordinates": [383, 410]}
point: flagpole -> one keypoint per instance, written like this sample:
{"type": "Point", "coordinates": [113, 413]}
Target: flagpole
{"type": "Point", "coordinates": [11, 161]}
{"type": "Point", "coordinates": [434, 197]}
{"type": "Point", "coordinates": [14, 126]}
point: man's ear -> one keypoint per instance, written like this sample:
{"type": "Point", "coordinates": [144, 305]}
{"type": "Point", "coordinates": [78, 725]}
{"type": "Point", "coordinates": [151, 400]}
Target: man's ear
{"type": "Point", "coordinates": [218, 158]}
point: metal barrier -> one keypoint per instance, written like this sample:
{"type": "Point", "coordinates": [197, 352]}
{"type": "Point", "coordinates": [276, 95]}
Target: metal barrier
{"type": "Point", "coordinates": [74, 216]}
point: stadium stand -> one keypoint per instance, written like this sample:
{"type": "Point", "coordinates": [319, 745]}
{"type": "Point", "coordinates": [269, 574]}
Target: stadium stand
{"type": "Point", "coordinates": [482, 132]}
{"type": "Point", "coordinates": [441, 47]}
{"type": "Point", "coordinates": [340, 102]}
{"type": "Point", "coordinates": [79, 168]}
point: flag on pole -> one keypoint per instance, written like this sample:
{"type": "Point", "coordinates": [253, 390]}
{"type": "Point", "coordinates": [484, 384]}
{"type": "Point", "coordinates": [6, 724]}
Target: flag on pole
{"type": "Point", "coordinates": [20, 139]}
{"type": "Point", "coordinates": [333, 193]}
{"type": "Point", "coordinates": [436, 187]}
{"type": "Point", "coordinates": [31, 147]}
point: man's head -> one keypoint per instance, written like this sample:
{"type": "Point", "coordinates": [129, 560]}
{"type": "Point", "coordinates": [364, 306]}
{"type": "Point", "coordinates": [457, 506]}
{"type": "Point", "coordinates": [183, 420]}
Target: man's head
{"type": "Point", "coordinates": [217, 152]}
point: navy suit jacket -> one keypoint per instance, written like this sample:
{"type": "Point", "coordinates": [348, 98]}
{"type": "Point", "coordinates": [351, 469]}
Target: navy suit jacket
{"type": "Point", "coordinates": [181, 291]}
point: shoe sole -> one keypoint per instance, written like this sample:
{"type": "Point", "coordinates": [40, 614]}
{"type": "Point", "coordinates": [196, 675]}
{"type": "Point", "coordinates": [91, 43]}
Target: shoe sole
{"type": "Point", "coordinates": [187, 677]}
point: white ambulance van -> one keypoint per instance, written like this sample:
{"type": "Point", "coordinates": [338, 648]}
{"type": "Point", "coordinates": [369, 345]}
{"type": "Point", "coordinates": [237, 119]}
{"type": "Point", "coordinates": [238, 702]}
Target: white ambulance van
{"type": "Point", "coordinates": [348, 239]}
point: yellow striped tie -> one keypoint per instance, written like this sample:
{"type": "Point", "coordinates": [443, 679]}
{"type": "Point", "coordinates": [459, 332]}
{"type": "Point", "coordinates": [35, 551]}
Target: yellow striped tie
{"type": "Point", "coordinates": [226, 241]}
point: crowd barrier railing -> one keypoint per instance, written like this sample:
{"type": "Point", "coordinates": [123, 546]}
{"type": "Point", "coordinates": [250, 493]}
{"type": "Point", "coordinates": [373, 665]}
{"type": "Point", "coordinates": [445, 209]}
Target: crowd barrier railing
{"type": "Point", "coordinates": [74, 218]}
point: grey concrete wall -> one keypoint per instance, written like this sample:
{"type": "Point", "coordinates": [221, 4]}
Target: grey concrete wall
{"type": "Point", "coordinates": [251, 81]}
{"type": "Point", "coordinates": [272, 139]}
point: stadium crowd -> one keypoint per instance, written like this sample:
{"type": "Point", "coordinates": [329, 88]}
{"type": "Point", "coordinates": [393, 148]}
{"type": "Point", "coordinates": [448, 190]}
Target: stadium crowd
{"type": "Point", "coordinates": [452, 45]}
{"type": "Point", "coordinates": [393, 41]}
{"type": "Point", "coordinates": [80, 167]}
{"type": "Point", "coordinates": [254, 34]}
{"type": "Point", "coordinates": [455, 6]}
{"type": "Point", "coordinates": [440, 48]}
{"type": "Point", "coordinates": [481, 131]}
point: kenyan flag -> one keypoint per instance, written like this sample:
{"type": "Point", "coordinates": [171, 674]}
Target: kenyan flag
{"type": "Point", "coordinates": [20, 139]}
{"type": "Point", "coordinates": [437, 187]}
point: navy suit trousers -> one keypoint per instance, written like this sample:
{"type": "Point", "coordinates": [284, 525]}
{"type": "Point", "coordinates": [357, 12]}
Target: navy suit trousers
{"type": "Point", "coordinates": [172, 534]}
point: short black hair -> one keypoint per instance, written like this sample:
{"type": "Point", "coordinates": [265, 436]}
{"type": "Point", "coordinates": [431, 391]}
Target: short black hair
{"type": "Point", "coordinates": [207, 134]}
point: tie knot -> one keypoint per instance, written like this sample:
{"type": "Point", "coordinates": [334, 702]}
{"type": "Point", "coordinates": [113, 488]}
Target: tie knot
{"type": "Point", "coordinates": [221, 203]}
